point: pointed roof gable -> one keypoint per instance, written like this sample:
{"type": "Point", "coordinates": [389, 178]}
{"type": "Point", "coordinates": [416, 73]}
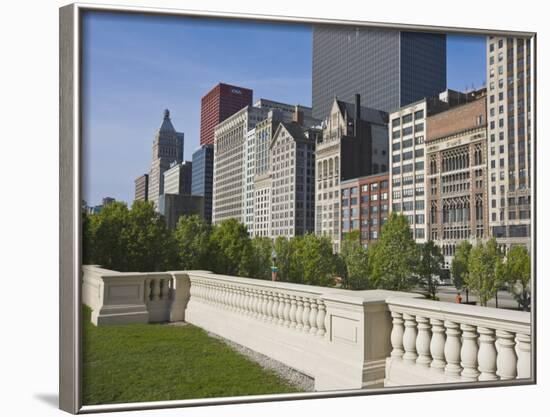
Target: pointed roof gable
{"type": "Point", "coordinates": [367, 114]}
{"type": "Point", "coordinates": [295, 130]}
{"type": "Point", "coordinates": [167, 126]}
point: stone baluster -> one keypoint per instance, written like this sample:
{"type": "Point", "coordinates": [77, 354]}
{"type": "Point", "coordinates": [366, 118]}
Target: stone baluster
{"type": "Point", "coordinates": [524, 355]}
{"type": "Point", "coordinates": [409, 338]}
{"type": "Point", "coordinates": [452, 349]}
{"type": "Point", "coordinates": [234, 296]}
{"type": "Point", "coordinates": [292, 312]}
{"type": "Point", "coordinates": [255, 303]}
{"type": "Point", "coordinates": [270, 300]}
{"type": "Point", "coordinates": [305, 315]}
{"type": "Point", "coordinates": [423, 341]}
{"type": "Point", "coordinates": [281, 310]}
{"type": "Point", "coordinates": [487, 354]}
{"type": "Point", "coordinates": [506, 357]}
{"type": "Point", "coordinates": [206, 289]}
{"type": "Point", "coordinates": [259, 304]}
{"type": "Point", "coordinates": [299, 313]}
{"type": "Point", "coordinates": [216, 294]}
{"type": "Point", "coordinates": [313, 316]}
{"type": "Point", "coordinates": [250, 302]}
{"type": "Point", "coordinates": [156, 289]}
{"type": "Point", "coordinates": [321, 330]}
{"type": "Point", "coordinates": [275, 308]}
{"type": "Point", "coordinates": [147, 290]}
{"type": "Point", "coordinates": [202, 291]}
{"type": "Point", "coordinates": [437, 345]}
{"type": "Point", "coordinates": [396, 336]}
{"type": "Point", "coordinates": [286, 311]}
{"type": "Point", "coordinates": [226, 296]}
{"type": "Point", "coordinates": [264, 305]}
{"type": "Point", "coordinates": [240, 300]}
{"type": "Point", "coordinates": [468, 353]}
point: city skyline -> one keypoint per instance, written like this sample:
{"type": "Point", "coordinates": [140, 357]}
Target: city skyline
{"type": "Point", "coordinates": [138, 67]}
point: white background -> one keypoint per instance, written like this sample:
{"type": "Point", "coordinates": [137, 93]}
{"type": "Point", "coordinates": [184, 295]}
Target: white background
{"type": "Point", "coordinates": [29, 206]}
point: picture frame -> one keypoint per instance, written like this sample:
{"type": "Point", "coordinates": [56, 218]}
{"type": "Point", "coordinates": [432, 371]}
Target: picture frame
{"type": "Point", "coordinates": [71, 154]}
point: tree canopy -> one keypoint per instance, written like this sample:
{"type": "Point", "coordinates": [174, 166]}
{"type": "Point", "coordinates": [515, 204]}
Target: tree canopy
{"type": "Point", "coordinates": [394, 257]}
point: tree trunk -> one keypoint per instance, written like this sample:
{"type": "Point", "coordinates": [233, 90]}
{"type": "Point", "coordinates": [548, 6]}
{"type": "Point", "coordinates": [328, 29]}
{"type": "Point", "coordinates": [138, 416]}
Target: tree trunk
{"type": "Point", "coordinates": [496, 299]}
{"type": "Point", "coordinates": [467, 296]}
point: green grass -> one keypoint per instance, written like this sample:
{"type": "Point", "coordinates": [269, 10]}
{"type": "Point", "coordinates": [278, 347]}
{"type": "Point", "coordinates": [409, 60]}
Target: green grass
{"type": "Point", "coordinates": [155, 362]}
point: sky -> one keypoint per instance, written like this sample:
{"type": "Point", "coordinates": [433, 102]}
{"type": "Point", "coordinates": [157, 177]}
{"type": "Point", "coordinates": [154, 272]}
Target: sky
{"type": "Point", "coordinates": [136, 66]}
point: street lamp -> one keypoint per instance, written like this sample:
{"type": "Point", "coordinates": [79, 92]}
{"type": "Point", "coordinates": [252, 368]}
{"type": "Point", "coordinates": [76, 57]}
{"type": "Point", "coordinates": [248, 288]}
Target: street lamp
{"type": "Point", "coordinates": [274, 269]}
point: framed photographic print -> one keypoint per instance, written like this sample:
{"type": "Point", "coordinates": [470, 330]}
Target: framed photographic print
{"type": "Point", "coordinates": [259, 208]}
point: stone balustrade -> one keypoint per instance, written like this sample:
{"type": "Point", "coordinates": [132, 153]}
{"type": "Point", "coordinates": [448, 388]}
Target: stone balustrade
{"type": "Point", "coordinates": [343, 339]}
{"type": "Point", "coordinates": [134, 297]}
{"type": "Point", "coordinates": [434, 342]}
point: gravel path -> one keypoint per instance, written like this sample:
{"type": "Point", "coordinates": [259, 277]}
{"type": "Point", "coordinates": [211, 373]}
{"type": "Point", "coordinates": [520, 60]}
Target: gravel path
{"type": "Point", "coordinates": [299, 380]}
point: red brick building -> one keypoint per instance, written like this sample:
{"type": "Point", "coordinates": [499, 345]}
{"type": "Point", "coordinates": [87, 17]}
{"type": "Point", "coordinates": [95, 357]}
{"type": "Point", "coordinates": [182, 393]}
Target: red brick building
{"type": "Point", "coordinates": [218, 104]}
{"type": "Point", "coordinates": [365, 206]}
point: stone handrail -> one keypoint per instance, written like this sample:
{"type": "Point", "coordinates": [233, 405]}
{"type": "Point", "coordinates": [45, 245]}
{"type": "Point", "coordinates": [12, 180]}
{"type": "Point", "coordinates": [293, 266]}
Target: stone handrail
{"type": "Point", "coordinates": [435, 342]}
{"type": "Point", "coordinates": [134, 297]}
{"type": "Point", "coordinates": [338, 337]}
{"type": "Point", "coordinates": [343, 339]}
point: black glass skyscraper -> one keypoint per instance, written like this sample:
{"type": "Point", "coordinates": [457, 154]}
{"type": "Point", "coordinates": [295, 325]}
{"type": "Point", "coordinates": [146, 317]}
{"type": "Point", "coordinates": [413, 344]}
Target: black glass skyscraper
{"type": "Point", "coordinates": [389, 69]}
{"type": "Point", "coordinates": [201, 177]}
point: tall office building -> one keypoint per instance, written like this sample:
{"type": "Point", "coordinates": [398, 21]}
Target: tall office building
{"type": "Point", "coordinates": [203, 166]}
{"type": "Point", "coordinates": [407, 135]}
{"type": "Point", "coordinates": [167, 148]}
{"type": "Point", "coordinates": [509, 116]}
{"type": "Point", "coordinates": [456, 176]}
{"type": "Point", "coordinates": [142, 187]}
{"type": "Point", "coordinates": [354, 143]}
{"type": "Point", "coordinates": [218, 104]}
{"type": "Point", "coordinates": [292, 155]}
{"type": "Point", "coordinates": [177, 179]}
{"type": "Point", "coordinates": [230, 170]}
{"type": "Point", "coordinates": [388, 68]}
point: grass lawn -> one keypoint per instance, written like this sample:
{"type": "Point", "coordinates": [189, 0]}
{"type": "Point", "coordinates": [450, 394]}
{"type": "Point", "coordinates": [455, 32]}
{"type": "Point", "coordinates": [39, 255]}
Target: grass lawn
{"type": "Point", "coordinates": [155, 362]}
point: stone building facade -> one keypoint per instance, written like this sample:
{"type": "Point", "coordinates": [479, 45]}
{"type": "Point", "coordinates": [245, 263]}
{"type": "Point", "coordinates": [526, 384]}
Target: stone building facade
{"type": "Point", "coordinates": [230, 170]}
{"type": "Point", "coordinates": [365, 206]}
{"type": "Point", "coordinates": [167, 149]}
{"type": "Point", "coordinates": [292, 154]}
{"type": "Point", "coordinates": [509, 81]}
{"type": "Point", "coordinates": [456, 176]}
{"type": "Point", "coordinates": [354, 143]}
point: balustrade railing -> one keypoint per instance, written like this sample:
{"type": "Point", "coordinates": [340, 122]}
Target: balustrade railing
{"type": "Point", "coordinates": [300, 311]}
{"type": "Point", "coordinates": [343, 339]}
{"type": "Point", "coordinates": [457, 342]}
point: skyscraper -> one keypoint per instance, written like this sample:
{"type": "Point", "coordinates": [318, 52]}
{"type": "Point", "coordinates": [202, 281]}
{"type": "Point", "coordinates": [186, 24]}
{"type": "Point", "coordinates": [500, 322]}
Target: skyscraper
{"type": "Point", "coordinates": [509, 119]}
{"type": "Point", "coordinates": [177, 179]}
{"type": "Point", "coordinates": [388, 68]}
{"type": "Point", "coordinates": [142, 187]}
{"type": "Point", "coordinates": [202, 172]}
{"type": "Point", "coordinates": [167, 148]}
{"type": "Point", "coordinates": [230, 171]}
{"type": "Point", "coordinates": [218, 104]}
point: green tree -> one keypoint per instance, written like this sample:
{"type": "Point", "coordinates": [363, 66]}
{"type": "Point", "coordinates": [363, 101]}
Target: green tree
{"type": "Point", "coordinates": [104, 241]}
{"type": "Point", "coordinates": [283, 262]}
{"type": "Point", "coordinates": [261, 259]}
{"type": "Point", "coordinates": [317, 261]}
{"type": "Point", "coordinates": [430, 267]}
{"type": "Point", "coordinates": [232, 248]}
{"type": "Point", "coordinates": [517, 273]}
{"type": "Point", "coordinates": [355, 262]}
{"type": "Point", "coordinates": [149, 243]}
{"type": "Point", "coordinates": [483, 270]}
{"type": "Point", "coordinates": [459, 266]}
{"type": "Point", "coordinates": [394, 257]}
{"type": "Point", "coordinates": [194, 249]}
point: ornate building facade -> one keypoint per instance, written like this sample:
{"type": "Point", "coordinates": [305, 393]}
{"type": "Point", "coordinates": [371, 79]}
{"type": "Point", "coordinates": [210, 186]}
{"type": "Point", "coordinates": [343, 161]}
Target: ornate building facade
{"type": "Point", "coordinates": [167, 149]}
